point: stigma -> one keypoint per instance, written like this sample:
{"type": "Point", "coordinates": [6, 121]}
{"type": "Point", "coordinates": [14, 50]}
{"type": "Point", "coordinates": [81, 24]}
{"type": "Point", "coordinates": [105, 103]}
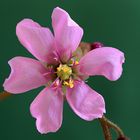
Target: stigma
{"type": "Point", "coordinates": [64, 72]}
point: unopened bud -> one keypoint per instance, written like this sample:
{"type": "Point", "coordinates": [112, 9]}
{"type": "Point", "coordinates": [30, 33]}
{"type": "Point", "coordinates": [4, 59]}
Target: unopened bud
{"type": "Point", "coordinates": [96, 45]}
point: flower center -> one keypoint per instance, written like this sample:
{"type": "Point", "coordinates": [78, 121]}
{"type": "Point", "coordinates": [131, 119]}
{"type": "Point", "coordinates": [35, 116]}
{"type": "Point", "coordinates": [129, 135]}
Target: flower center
{"type": "Point", "coordinates": [64, 72]}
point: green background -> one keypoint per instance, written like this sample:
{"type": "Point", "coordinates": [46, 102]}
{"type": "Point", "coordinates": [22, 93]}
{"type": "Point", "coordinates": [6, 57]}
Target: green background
{"type": "Point", "coordinates": [116, 23]}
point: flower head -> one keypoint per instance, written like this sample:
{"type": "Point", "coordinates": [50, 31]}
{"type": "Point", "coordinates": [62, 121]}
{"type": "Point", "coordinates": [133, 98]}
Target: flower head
{"type": "Point", "coordinates": [61, 67]}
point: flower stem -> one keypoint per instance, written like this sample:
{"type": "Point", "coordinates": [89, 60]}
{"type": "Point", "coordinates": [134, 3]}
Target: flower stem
{"type": "Point", "coordinates": [106, 125]}
{"type": "Point", "coordinates": [106, 131]}
{"type": "Point", "coordinates": [4, 95]}
{"type": "Point", "coordinates": [116, 128]}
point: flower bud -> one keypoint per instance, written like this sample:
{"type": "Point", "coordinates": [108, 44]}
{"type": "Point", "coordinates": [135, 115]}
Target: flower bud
{"type": "Point", "coordinates": [96, 45]}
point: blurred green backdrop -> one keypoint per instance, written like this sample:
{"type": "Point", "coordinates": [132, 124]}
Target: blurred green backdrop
{"type": "Point", "coordinates": [115, 23]}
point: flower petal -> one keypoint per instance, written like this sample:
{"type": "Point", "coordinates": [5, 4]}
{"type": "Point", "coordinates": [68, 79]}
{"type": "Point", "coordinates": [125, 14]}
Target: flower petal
{"type": "Point", "coordinates": [85, 102]}
{"type": "Point", "coordinates": [47, 108]}
{"type": "Point", "coordinates": [26, 74]}
{"type": "Point", "coordinates": [36, 39]}
{"type": "Point", "coordinates": [105, 61]}
{"type": "Point", "coordinates": [68, 34]}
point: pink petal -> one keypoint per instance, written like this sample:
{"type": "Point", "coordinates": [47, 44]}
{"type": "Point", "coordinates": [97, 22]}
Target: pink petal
{"type": "Point", "coordinates": [36, 39]}
{"type": "Point", "coordinates": [68, 34]}
{"type": "Point", "coordinates": [85, 102]}
{"type": "Point", "coordinates": [26, 74]}
{"type": "Point", "coordinates": [105, 61]}
{"type": "Point", "coordinates": [47, 108]}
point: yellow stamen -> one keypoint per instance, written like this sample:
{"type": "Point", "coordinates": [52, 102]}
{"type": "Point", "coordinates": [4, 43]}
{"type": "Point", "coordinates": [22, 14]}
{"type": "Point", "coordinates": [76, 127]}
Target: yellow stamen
{"type": "Point", "coordinates": [76, 62]}
{"type": "Point", "coordinates": [58, 69]}
{"type": "Point", "coordinates": [66, 83]}
{"type": "Point", "coordinates": [69, 83]}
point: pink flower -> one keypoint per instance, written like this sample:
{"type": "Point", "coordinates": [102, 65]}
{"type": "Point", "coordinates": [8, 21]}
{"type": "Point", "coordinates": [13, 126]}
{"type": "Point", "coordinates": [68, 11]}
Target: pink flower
{"type": "Point", "coordinates": [60, 71]}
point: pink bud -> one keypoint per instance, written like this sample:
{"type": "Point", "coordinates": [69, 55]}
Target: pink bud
{"type": "Point", "coordinates": [96, 45]}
